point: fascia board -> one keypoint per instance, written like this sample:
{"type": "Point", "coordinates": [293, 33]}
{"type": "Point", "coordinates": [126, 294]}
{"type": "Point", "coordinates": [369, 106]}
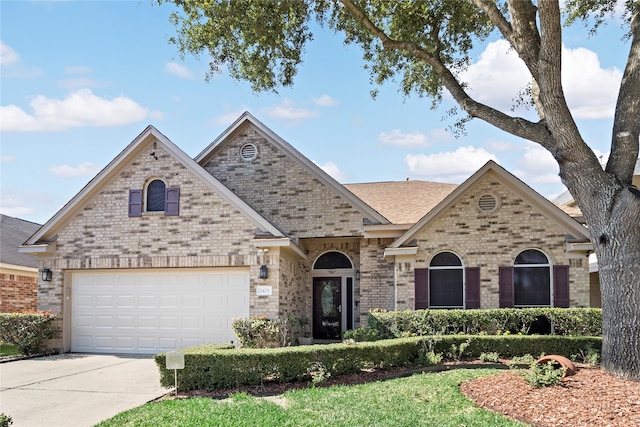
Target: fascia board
{"type": "Point", "coordinates": [376, 231]}
{"type": "Point", "coordinates": [284, 243]}
{"type": "Point", "coordinates": [399, 252]}
{"type": "Point", "coordinates": [311, 167]}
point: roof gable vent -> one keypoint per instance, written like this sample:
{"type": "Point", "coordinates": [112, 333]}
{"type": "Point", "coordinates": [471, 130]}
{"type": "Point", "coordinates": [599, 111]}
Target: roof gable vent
{"type": "Point", "coordinates": [248, 152]}
{"type": "Point", "coordinates": [487, 203]}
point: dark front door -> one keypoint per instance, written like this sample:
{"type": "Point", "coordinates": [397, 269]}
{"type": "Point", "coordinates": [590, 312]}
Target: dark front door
{"type": "Point", "coordinates": [327, 308]}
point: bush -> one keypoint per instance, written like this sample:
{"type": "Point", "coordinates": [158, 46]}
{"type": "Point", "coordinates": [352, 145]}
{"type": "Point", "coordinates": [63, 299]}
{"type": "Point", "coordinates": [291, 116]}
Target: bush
{"type": "Point", "coordinates": [27, 331]}
{"type": "Point", "coordinates": [209, 367]}
{"type": "Point", "coordinates": [396, 324]}
{"type": "Point", "coordinates": [5, 420]}
{"type": "Point", "coordinates": [544, 374]}
{"type": "Point", "coordinates": [260, 332]}
{"type": "Point", "coordinates": [491, 356]}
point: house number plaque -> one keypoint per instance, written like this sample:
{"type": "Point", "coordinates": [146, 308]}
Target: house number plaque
{"type": "Point", "coordinates": [263, 291]}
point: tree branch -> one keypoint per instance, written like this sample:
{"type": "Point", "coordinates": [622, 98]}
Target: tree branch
{"type": "Point", "coordinates": [626, 125]}
{"type": "Point", "coordinates": [517, 126]}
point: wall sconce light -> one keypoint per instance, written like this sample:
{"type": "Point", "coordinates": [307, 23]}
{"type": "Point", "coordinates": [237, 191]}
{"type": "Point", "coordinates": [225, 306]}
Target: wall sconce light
{"type": "Point", "coordinates": [264, 272]}
{"type": "Point", "coordinates": [634, 190]}
{"type": "Point", "coordinates": [46, 274]}
{"type": "Point", "coordinates": [358, 275]}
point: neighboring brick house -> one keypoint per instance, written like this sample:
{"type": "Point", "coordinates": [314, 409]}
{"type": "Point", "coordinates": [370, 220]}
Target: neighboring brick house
{"type": "Point", "coordinates": [18, 271]}
{"type": "Point", "coordinates": [160, 251]}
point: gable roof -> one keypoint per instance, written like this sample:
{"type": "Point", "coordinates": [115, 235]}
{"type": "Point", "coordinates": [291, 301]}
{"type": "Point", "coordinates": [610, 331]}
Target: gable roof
{"type": "Point", "coordinates": [402, 202]}
{"type": "Point", "coordinates": [547, 208]}
{"type": "Point", "coordinates": [246, 119]}
{"type": "Point", "coordinates": [13, 233]}
{"type": "Point", "coordinates": [143, 141]}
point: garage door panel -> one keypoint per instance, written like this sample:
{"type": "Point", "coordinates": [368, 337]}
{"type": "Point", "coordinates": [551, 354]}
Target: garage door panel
{"type": "Point", "coordinates": [149, 312]}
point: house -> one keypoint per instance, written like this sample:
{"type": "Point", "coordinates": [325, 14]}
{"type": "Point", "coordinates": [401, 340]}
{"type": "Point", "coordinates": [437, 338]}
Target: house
{"type": "Point", "coordinates": [18, 271]}
{"type": "Point", "coordinates": [161, 251]}
{"type": "Point", "coordinates": [566, 202]}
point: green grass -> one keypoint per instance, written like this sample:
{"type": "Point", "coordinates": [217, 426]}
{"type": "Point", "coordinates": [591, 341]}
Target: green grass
{"type": "Point", "coordinates": [431, 399]}
{"type": "Point", "coordinates": [8, 350]}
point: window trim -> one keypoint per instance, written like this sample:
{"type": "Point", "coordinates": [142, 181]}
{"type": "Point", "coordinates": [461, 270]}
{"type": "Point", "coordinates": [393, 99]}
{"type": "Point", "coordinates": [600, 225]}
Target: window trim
{"type": "Point", "coordinates": [460, 267]}
{"type": "Point", "coordinates": [145, 198]}
{"type": "Point", "coordinates": [548, 266]}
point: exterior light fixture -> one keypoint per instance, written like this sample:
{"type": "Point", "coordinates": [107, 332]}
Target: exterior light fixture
{"type": "Point", "coordinates": [358, 275]}
{"type": "Point", "coordinates": [264, 272]}
{"type": "Point", "coordinates": [46, 274]}
{"type": "Point", "coordinates": [634, 190]}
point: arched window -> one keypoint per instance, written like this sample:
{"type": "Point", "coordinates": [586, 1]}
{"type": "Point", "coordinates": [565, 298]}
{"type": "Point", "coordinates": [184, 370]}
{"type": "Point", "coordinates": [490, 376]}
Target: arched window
{"type": "Point", "coordinates": [156, 193]}
{"type": "Point", "coordinates": [446, 283]}
{"type": "Point", "coordinates": [532, 279]}
{"type": "Point", "coordinates": [332, 261]}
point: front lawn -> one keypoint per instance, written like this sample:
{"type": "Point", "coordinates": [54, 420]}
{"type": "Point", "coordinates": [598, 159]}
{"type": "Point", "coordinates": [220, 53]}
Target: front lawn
{"type": "Point", "coordinates": [8, 350]}
{"type": "Point", "coordinates": [422, 399]}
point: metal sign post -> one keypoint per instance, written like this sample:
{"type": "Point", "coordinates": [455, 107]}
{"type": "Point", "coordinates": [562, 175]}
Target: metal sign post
{"type": "Point", "coordinates": [175, 361]}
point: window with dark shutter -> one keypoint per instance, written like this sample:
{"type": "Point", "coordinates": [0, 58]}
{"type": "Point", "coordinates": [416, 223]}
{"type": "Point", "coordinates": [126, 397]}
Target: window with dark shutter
{"type": "Point", "coordinates": [135, 202]}
{"type": "Point", "coordinates": [531, 279]}
{"type": "Point", "coordinates": [421, 280]}
{"type": "Point", "coordinates": [172, 201]}
{"type": "Point", "coordinates": [561, 286]}
{"type": "Point", "coordinates": [472, 287]}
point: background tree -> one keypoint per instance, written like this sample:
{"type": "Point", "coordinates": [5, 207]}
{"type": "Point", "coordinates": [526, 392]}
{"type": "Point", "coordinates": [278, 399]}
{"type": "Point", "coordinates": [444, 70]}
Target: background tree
{"type": "Point", "coordinates": [425, 45]}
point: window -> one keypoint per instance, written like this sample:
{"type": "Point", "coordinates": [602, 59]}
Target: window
{"type": "Point", "coordinates": [332, 261]}
{"type": "Point", "coordinates": [157, 197]}
{"type": "Point", "coordinates": [447, 284]}
{"type": "Point", "coordinates": [446, 281]}
{"type": "Point", "coordinates": [531, 279]}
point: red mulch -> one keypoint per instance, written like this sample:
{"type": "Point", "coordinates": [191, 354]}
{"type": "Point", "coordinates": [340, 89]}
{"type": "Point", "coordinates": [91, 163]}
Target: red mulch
{"type": "Point", "coordinates": [591, 397]}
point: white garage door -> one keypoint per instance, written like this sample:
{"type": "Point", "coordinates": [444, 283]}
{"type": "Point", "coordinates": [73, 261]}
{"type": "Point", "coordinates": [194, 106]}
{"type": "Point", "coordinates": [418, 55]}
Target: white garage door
{"type": "Point", "coordinates": [153, 311]}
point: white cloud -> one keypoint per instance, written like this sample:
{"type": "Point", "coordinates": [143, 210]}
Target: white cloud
{"type": "Point", "coordinates": [7, 159]}
{"type": "Point", "coordinates": [326, 101]}
{"type": "Point", "coordinates": [453, 166]}
{"type": "Point", "coordinates": [7, 55]}
{"type": "Point", "coordinates": [397, 138]}
{"type": "Point", "coordinates": [178, 70]}
{"type": "Point", "coordinates": [499, 75]}
{"type": "Point", "coordinates": [333, 171]}
{"type": "Point", "coordinates": [289, 112]}
{"type": "Point", "coordinates": [82, 169]}
{"type": "Point", "coordinates": [537, 166]}
{"type": "Point", "coordinates": [590, 90]}
{"type": "Point", "coordinates": [80, 108]}
{"type": "Point", "coordinates": [16, 204]}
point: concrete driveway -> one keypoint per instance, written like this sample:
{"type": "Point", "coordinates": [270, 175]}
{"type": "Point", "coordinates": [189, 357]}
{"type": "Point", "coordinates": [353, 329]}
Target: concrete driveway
{"type": "Point", "coordinates": [75, 389]}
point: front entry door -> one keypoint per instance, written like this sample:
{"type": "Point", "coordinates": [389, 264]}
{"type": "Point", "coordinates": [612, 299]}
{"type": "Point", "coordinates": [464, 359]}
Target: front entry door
{"type": "Point", "coordinates": [327, 308]}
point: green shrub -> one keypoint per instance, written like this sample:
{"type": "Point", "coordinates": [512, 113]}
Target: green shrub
{"type": "Point", "coordinates": [209, 367]}
{"type": "Point", "coordinates": [5, 420]}
{"type": "Point", "coordinates": [491, 356]}
{"type": "Point", "coordinates": [27, 331]}
{"type": "Point", "coordinates": [396, 324]}
{"type": "Point", "coordinates": [260, 332]}
{"type": "Point", "coordinates": [544, 374]}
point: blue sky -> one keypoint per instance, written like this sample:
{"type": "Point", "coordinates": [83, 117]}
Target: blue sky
{"type": "Point", "coordinates": [80, 80]}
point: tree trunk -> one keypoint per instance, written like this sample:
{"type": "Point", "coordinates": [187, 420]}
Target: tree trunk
{"type": "Point", "coordinates": [617, 243]}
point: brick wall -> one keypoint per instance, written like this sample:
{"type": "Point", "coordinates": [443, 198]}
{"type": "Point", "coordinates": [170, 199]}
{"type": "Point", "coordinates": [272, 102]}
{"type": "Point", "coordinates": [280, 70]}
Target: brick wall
{"type": "Point", "coordinates": [376, 278]}
{"type": "Point", "coordinates": [490, 240]}
{"type": "Point", "coordinates": [283, 191]}
{"type": "Point", "coordinates": [18, 293]}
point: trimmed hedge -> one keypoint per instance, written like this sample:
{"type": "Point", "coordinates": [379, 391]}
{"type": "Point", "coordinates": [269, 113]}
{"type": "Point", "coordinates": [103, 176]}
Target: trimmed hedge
{"type": "Point", "coordinates": [27, 331]}
{"type": "Point", "coordinates": [210, 367]}
{"type": "Point", "coordinates": [394, 324]}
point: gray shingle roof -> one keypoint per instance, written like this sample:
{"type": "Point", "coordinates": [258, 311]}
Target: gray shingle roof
{"type": "Point", "coordinates": [13, 233]}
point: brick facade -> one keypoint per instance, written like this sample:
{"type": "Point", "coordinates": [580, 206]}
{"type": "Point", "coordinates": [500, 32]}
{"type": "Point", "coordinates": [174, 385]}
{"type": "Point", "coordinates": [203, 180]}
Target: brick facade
{"type": "Point", "coordinates": [18, 292]}
{"type": "Point", "coordinates": [491, 240]}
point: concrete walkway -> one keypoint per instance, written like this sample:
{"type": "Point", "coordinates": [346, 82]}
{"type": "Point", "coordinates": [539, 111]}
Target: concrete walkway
{"type": "Point", "coordinates": [71, 390]}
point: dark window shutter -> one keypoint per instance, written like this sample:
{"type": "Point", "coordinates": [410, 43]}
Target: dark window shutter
{"type": "Point", "coordinates": [172, 201]}
{"type": "Point", "coordinates": [421, 278]}
{"type": "Point", "coordinates": [505, 286]}
{"type": "Point", "coordinates": [472, 287]}
{"type": "Point", "coordinates": [561, 286]}
{"type": "Point", "coordinates": [135, 202]}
